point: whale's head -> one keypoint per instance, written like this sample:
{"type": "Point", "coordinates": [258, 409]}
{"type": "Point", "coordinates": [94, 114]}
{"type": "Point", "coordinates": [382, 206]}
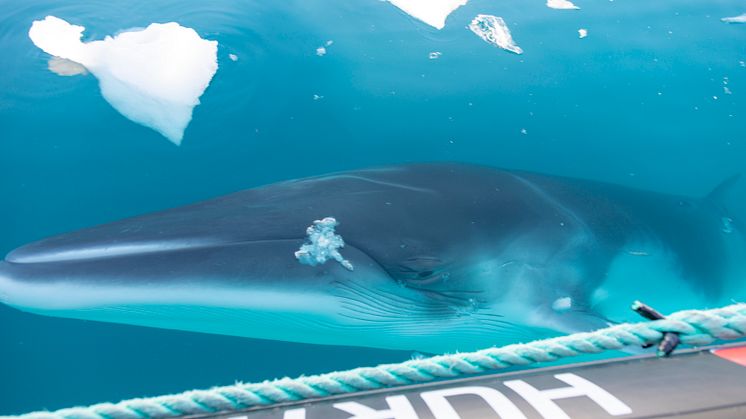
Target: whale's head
{"type": "Point", "coordinates": [182, 270]}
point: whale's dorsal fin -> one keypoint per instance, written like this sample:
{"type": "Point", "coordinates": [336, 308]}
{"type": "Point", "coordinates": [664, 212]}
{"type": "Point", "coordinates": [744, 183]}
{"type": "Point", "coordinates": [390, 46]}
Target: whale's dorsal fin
{"type": "Point", "coordinates": [722, 190]}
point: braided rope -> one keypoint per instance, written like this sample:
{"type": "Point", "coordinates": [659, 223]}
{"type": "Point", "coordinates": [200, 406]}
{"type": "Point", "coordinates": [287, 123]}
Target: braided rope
{"type": "Point", "coordinates": [695, 327]}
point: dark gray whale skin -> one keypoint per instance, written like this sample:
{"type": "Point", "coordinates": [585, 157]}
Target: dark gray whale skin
{"type": "Point", "coordinates": [446, 256]}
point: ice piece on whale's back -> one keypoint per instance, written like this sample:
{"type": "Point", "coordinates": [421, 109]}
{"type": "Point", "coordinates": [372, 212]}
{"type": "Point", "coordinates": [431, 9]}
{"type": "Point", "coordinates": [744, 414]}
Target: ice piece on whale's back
{"type": "Point", "coordinates": [153, 76]}
{"type": "Point", "coordinates": [322, 244]}
{"type": "Point", "coordinates": [432, 12]}
{"type": "Point", "coordinates": [493, 30]}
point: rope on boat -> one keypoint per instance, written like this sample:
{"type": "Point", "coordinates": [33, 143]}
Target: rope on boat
{"type": "Point", "coordinates": [693, 327]}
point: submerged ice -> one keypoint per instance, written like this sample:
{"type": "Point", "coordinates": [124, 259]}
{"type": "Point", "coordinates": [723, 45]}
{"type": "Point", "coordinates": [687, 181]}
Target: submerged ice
{"type": "Point", "coordinates": [153, 76]}
{"type": "Point", "coordinates": [432, 12]}
{"type": "Point", "coordinates": [493, 30]}
{"type": "Point", "coordinates": [735, 19]}
{"type": "Point", "coordinates": [64, 67]}
{"type": "Point", "coordinates": [322, 244]}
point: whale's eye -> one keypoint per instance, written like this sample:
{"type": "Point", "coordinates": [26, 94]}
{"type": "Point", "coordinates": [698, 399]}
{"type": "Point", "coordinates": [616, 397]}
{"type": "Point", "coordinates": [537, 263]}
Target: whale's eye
{"type": "Point", "coordinates": [421, 270]}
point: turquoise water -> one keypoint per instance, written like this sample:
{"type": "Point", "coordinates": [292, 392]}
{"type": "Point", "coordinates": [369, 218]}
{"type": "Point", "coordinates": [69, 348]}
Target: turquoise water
{"type": "Point", "coordinates": [640, 102]}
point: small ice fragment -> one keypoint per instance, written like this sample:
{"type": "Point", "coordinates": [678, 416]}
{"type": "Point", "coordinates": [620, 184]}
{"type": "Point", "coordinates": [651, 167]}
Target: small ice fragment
{"type": "Point", "coordinates": [434, 55]}
{"type": "Point", "coordinates": [523, 131]}
{"type": "Point", "coordinates": [742, 63]}
{"type": "Point", "coordinates": [233, 57]}
{"type": "Point", "coordinates": [153, 76]}
{"type": "Point", "coordinates": [561, 4]}
{"type": "Point", "coordinates": [638, 253]}
{"type": "Point", "coordinates": [432, 12]}
{"type": "Point", "coordinates": [321, 51]}
{"type": "Point", "coordinates": [735, 19]}
{"type": "Point", "coordinates": [493, 30]}
{"type": "Point", "coordinates": [317, 97]}
{"type": "Point", "coordinates": [322, 244]}
{"type": "Point", "coordinates": [582, 33]}
{"type": "Point", "coordinates": [726, 90]}
{"type": "Point", "coordinates": [562, 304]}
{"type": "Point", "coordinates": [65, 67]}
{"type": "Point", "coordinates": [727, 225]}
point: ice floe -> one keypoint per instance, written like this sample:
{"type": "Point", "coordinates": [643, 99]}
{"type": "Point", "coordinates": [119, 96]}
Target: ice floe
{"type": "Point", "coordinates": [561, 4]}
{"type": "Point", "coordinates": [492, 29]}
{"type": "Point", "coordinates": [434, 55]}
{"type": "Point", "coordinates": [233, 57]}
{"type": "Point", "coordinates": [735, 19]}
{"type": "Point", "coordinates": [582, 33]}
{"type": "Point", "coordinates": [153, 76]}
{"type": "Point", "coordinates": [432, 12]}
{"type": "Point", "coordinates": [322, 244]}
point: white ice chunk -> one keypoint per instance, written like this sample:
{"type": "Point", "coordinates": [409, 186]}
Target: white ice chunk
{"type": "Point", "coordinates": [561, 4]}
{"type": "Point", "coordinates": [582, 33]}
{"type": "Point", "coordinates": [493, 30]}
{"type": "Point", "coordinates": [432, 12]}
{"type": "Point", "coordinates": [735, 19]}
{"type": "Point", "coordinates": [434, 55]}
{"type": "Point", "coordinates": [233, 57]}
{"type": "Point", "coordinates": [153, 76]}
{"type": "Point", "coordinates": [322, 244]}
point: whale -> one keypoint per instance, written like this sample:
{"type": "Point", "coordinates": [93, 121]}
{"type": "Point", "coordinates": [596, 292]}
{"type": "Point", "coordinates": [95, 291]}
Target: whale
{"type": "Point", "coordinates": [444, 257]}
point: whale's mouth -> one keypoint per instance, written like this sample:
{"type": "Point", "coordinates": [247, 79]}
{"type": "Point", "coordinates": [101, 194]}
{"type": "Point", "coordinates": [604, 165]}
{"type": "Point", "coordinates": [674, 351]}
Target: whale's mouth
{"type": "Point", "coordinates": [34, 254]}
{"type": "Point", "coordinates": [74, 272]}
{"type": "Point", "coordinates": [252, 288]}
